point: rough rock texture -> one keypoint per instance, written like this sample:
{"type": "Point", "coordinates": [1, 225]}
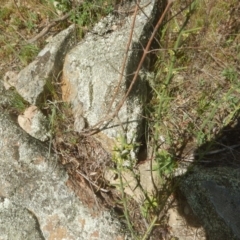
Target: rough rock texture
{"type": "Point", "coordinates": [35, 202]}
{"type": "Point", "coordinates": [31, 81]}
{"type": "Point", "coordinates": [34, 123]}
{"type": "Point", "coordinates": [214, 197]}
{"type": "Point", "coordinates": [10, 79]}
{"type": "Point", "coordinates": [92, 69]}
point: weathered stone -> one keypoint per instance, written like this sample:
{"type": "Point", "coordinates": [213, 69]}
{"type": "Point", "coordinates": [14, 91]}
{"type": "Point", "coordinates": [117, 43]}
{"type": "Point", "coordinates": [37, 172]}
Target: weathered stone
{"type": "Point", "coordinates": [34, 123]}
{"type": "Point", "coordinates": [31, 81]}
{"type": "Point", "coordinates": [214, 197]}
{"type": "Point", "coordinates": [17, 222]}
{"type": "Point", "coordinates": [10, 79]}
{"type": "Point", "coordinates": [35, 202]}
{"type": "Point", "coordinates": [130, 183]}
{"type": "Point", "coordinates": [4, 101]}
{"type": "Point", "coordinates": [92, 69]}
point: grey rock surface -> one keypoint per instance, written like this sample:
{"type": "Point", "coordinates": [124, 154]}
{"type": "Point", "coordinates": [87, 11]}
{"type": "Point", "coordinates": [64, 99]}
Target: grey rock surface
{"type": "Point", "coordinates": [92, 69]}
{"type": "Point", "coordinates": [31, 81]}
{"type": "Point", "coordinates": [35, 123]}
{"type": "Point", "coordinates": [13, 221]}
{"type": "Point", "coordinates": [35, 202]}
{"type": "Point", "coordinates": [214, 197]}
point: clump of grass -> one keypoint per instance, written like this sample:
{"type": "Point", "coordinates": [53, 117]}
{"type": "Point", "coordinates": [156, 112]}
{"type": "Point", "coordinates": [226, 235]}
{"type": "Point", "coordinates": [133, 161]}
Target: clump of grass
{"type": "Point", "coordinates": [27, 53]}
{"type": "Point", "coordinates": [149, 209]}
{"type": "Point", "coordinates": [84, 14]}
{"type": "Point", "coordinates": [231, 75]}
{"type": "Point", "coordinates": [5, 13]}
{"type": "Point", "coordinates": [121, 158]}
{"type": "Point", "coordinates": [17, 102]}
{"type": "Point", "coordinates": [195, 89]}
{"type": "Point", "coordinates": [189, 97]}
{"type": "Point", "coordinates": [17, 25]}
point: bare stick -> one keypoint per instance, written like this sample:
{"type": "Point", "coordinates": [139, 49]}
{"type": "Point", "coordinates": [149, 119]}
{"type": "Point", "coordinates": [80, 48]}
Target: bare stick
{"type": "Point", "coordinates": [91, 182]}
{"type": "Point", "coordinates": [143, 57]}
{"type": "Point", "coordinates": [95, 129]}
{"type": "Point", "coordinates": [125, 58]}
{"type": "Point", "coordinates": [19, 12]}
{"type": "Point", "coordinates": [48, 27]}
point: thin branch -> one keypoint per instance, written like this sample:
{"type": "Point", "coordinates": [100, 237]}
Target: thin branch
{"type": "Point", "coordinates": [48, 27]}
{"type": "Point", "coordinates": [95, 129]}
{"type": "Point", "coordinates": [125, 58]}
{"type": "Point", "coordinates": [142, 59]}
{"type": "Point", "coordinates": [91, 182]}
{"type": "Point", "coordinates": [19, 12]}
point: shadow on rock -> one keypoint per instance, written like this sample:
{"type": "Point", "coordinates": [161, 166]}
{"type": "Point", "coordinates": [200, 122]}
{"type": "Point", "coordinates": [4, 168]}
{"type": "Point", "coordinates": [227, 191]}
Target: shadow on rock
{"type": "Point", "coordinates": [211, 186]}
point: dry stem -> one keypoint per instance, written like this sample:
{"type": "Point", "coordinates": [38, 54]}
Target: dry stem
{"type": "Point", "coordinates": [96, 128]}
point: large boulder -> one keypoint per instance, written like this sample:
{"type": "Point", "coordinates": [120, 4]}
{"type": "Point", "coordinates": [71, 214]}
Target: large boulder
{"type": "Point", "coordinates": [35, 202]}
{"type": "Point", "coordinates": [214, 197]}
{"type": "Point", "coordinates": [92, 71]}
{"type": "Point", "coordinates": [31, 81]}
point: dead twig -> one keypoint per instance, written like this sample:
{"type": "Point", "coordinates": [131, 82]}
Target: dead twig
{"type": "Point", "coordinates": [193, 156]}
{"type": "Point", "coordinates": [54, 22]}
{"type": "Point", "coordinates": [48, 27]}
{"type": "Point", "coordinates": [95, 129]}
{"type": "Point", "coordinates": [220, 150]}
{"type": "Point", "coordinates": [91, 182]}
{"type": "Point", "coordinates": [19, 12]}
{"type": "Point", "coordinates": [143, 57]}
{"type": "Point", "coordinates": [125, 58]}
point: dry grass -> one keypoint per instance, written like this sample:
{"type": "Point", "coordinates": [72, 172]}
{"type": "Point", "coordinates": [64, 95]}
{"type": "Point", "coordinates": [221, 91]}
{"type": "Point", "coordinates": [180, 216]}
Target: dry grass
{"type": "Point", "coordinates": [21, 21]}
{"type": "Point", "coordinates": [18, 23]}
{"type": "Point", "coordinates": [195, 92]}
{"type": "Point", "coordinates": [200, 76]}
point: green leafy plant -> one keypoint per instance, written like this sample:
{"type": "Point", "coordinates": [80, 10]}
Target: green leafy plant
{"type": "Point", "coordinates": [165, 163]}
{"type": "Point", "coordinates": [121, 158]}
{"type": "Point", "coordinates": [63, 5]}
{"type": "Point", "coordinates": [149, 205]}
{"type": "Point", "coordinates": [124, 163]}
{"type": "Point", "coordinates": [89, 12]}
